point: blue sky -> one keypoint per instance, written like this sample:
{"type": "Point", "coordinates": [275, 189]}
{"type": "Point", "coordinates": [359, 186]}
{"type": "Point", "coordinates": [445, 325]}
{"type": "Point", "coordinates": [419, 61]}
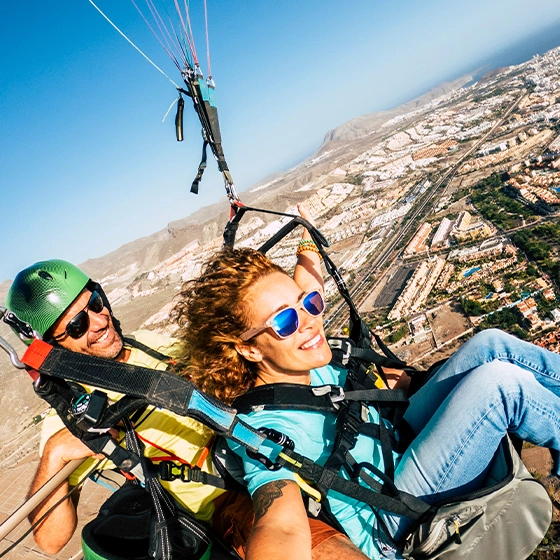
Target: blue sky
{"type": "Point", "coordinates": [86, 163]}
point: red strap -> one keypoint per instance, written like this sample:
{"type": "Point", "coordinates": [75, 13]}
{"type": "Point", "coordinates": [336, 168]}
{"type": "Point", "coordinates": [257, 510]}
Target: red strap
{"type": "Point", "coordinates": [204, 452]}
{"type": "Point", "coordinates": [36, 354]}
{"type": "Point", "coordinates": [169, 454]}
{"type": "Point", "coordinates": [34, 374]}
{"type": "Point", "coordinates": [199, 463]}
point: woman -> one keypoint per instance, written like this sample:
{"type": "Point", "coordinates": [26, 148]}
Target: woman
{"type": "Point", "coordinates": [249, 324]}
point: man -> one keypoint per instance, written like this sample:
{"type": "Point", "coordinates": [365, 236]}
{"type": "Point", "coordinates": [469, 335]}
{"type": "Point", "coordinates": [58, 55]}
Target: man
{"type": "Point", "coordinates": [67, 309]}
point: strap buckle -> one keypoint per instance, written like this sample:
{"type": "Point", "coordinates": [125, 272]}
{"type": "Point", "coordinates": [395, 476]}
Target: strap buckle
{"type": "Point", "coordinates": [344, 346]}
{"type": "Point", "coordinates": [335, 392]}
{"type": "Point", "coordinates": [168, 471]}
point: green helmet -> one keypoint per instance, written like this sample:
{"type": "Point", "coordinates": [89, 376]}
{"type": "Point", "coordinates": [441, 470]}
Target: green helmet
{"type": "Point", "coordinates": [41, 293]}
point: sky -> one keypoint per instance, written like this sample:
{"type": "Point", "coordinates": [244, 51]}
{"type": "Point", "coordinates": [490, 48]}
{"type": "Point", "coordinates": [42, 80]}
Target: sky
{"type": "Point", "coordinates": [86, 163]}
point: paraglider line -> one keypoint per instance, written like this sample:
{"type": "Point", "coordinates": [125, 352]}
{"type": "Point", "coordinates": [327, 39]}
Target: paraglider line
{"type": "Point", "coordinates": [125, 37]}
{"type": "Point", "coordinates": [165, 31]}
{"type": "Point", "coordinates": [207, 41]}
{"type": "Point", "coordinates": [165, 48]}
{"type": "Point", "coordinates": [187, 13]}
{"type": "Point", "coordinates": [189, 41]}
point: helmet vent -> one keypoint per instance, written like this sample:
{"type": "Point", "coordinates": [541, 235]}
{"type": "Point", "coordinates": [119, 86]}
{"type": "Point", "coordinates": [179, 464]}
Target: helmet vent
{"type": "Point", "coordinates": [45, 275]}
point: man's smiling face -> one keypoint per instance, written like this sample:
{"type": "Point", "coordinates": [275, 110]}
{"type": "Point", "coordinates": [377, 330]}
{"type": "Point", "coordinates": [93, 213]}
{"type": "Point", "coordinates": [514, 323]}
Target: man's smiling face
{"type": "Point", "coordinates": [101, 338]}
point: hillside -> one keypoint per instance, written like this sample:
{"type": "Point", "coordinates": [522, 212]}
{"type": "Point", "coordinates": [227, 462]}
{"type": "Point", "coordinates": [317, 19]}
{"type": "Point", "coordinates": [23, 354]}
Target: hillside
{"type": "Point", "coordinates": [138, 277]}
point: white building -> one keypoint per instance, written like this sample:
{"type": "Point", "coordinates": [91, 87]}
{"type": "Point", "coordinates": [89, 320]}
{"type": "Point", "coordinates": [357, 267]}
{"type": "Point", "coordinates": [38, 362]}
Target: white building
{"type": "Point", "coordinates": [442, 232]}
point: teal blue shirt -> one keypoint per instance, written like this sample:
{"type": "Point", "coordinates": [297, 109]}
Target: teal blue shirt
{"type": "Point", "coordinates": [313, 435]}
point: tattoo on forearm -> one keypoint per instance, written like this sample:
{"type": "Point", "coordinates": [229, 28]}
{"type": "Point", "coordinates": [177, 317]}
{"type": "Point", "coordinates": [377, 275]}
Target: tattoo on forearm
{"type": "Point", "coordinates": [265, 496]}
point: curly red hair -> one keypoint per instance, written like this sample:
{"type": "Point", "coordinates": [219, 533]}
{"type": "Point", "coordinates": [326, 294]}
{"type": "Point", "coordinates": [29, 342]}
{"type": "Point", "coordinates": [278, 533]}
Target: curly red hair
{"type": "Point", "coordinates": [211, 313]}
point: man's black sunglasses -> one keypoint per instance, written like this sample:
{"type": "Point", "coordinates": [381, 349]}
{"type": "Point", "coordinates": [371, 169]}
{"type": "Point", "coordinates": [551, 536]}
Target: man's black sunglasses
{"type": "Point", "coordinates": [79, 324]}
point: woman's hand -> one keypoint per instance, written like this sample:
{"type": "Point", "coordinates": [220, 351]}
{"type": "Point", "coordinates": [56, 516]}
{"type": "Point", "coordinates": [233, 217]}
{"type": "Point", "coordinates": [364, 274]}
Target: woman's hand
{"type": "Point", "coordinates": [281, 529]}
{"type": "Point", "coordinates": [304, 213]}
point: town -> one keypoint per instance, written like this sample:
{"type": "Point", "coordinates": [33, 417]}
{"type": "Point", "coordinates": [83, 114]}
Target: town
{"type": "Point", "coordinates": [446, 225]}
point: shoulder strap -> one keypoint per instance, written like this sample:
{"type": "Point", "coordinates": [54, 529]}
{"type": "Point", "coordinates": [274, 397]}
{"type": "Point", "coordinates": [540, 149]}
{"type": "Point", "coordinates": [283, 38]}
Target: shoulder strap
{"type": "Point", "coordinates": [287, 396]}
{"type": "Point", "coordinates": [155, 387]}
{"type": "Point", "coordinates": [292, 396]}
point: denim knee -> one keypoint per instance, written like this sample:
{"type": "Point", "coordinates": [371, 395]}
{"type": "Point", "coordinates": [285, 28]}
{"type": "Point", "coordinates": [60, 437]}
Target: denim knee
{"type": "Point", "coordinates": [493, 338]}
{"type": "Point", "coordinates": [505, 378]}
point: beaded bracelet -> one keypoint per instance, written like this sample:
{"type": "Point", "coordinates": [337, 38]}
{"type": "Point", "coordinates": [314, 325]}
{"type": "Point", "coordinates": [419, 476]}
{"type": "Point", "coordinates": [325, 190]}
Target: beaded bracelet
{"type": "Point", "coordinates": [307, 245]}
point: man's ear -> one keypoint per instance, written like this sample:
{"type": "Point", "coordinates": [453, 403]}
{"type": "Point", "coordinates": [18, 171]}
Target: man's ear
{"type": "Point", "coordinates": [249, 352]}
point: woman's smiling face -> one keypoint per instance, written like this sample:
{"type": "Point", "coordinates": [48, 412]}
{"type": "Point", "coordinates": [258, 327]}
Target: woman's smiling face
{"type": "Point", "coordinates": [294, 356]}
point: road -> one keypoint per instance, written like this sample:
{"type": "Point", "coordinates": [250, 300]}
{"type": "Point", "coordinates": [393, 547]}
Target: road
{"type": "Point", "coordinates": [363, 284]}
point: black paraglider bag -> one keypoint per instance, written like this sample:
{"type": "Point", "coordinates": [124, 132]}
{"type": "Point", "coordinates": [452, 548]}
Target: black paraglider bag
{"type": "Point", "coordinates": [127, 529]}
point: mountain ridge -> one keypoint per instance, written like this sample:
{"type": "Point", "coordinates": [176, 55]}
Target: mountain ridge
{"type": "Point", "coordinates": [201, 224]}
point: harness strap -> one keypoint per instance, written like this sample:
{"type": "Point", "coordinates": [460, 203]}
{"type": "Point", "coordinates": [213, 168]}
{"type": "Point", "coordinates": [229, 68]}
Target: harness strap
{"type": "Point", "coordinates": [386, 447]}
{"type": "Point", "coordinates": [168, 470]}
{"type": "Point", "coordinates": [60, 395]}
{"type": "Point", "coordinates": [179, 395]}
{"type": "Point", "coordinates": [237, 211]}
{"type": "Point", "coordinates": [381, 396]}
{"type": "Point", "coordinates": [372, 357]}
{"type": "Point", "coordinates": [292, 396]}
{"type": "Point", "coordinates": [157, 493]}
{"type": "Point", "coordinates": [131, 341]}
{"type": "Point", "coordinates": [348, 405]}
{"type": "Point", "coordinates": [154, 387]}
{"type": "Point", "coordinates": [348, 422]}
{"type": "Point", "coordinates": [373, 431]}
{"type": "Point", "coordinates": [201, 168]}
{"type": "Point", "coordinates": [400, 503]}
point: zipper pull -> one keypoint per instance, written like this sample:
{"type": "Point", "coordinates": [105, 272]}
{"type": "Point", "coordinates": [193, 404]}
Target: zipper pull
{"type": "Point", "coordinates": [457, 534]}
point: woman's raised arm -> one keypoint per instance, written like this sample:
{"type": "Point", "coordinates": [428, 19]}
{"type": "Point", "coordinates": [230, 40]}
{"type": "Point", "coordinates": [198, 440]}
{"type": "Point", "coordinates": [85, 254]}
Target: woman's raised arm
{"type": "Point", "coordinates": [281, 529]}
{"type": "Point", "coordinates": [307, 273]}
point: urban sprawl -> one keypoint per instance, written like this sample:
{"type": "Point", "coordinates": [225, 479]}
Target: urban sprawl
{"type": "Point", "coordinates": [446, 224]}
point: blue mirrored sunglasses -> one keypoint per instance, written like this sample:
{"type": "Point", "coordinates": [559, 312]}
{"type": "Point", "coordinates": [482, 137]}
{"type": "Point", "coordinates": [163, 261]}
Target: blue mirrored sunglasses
{"type": "Point", "coordinates": [286, 321]}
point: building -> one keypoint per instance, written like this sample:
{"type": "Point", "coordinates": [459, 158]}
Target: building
{"type": "Point", "coordinates": [549, 294]}
{"type": "Point", "coordinates": [419, 327]}
{"type": "Point", "coordinates": [417, 288]}
{"type": "Point", "coordinates": [527, 307]}
{"type": "Point", "coordinates": [478, 230]}
{"type": "Point", "coordinates": [418, 242]}
{"type": "Point", "coordinates": [462, 222]}
{"type": "Point", "coordinates": [442, 233]}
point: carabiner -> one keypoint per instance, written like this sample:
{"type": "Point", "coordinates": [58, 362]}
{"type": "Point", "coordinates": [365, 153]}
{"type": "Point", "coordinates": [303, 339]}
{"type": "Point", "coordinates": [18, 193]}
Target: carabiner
{"type": "Point", "coordinates": [276, 437]}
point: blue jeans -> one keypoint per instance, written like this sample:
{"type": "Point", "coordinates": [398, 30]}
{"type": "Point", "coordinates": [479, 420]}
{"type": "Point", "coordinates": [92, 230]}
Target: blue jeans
{"type": "Point", "coordinates": [495, 383]}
